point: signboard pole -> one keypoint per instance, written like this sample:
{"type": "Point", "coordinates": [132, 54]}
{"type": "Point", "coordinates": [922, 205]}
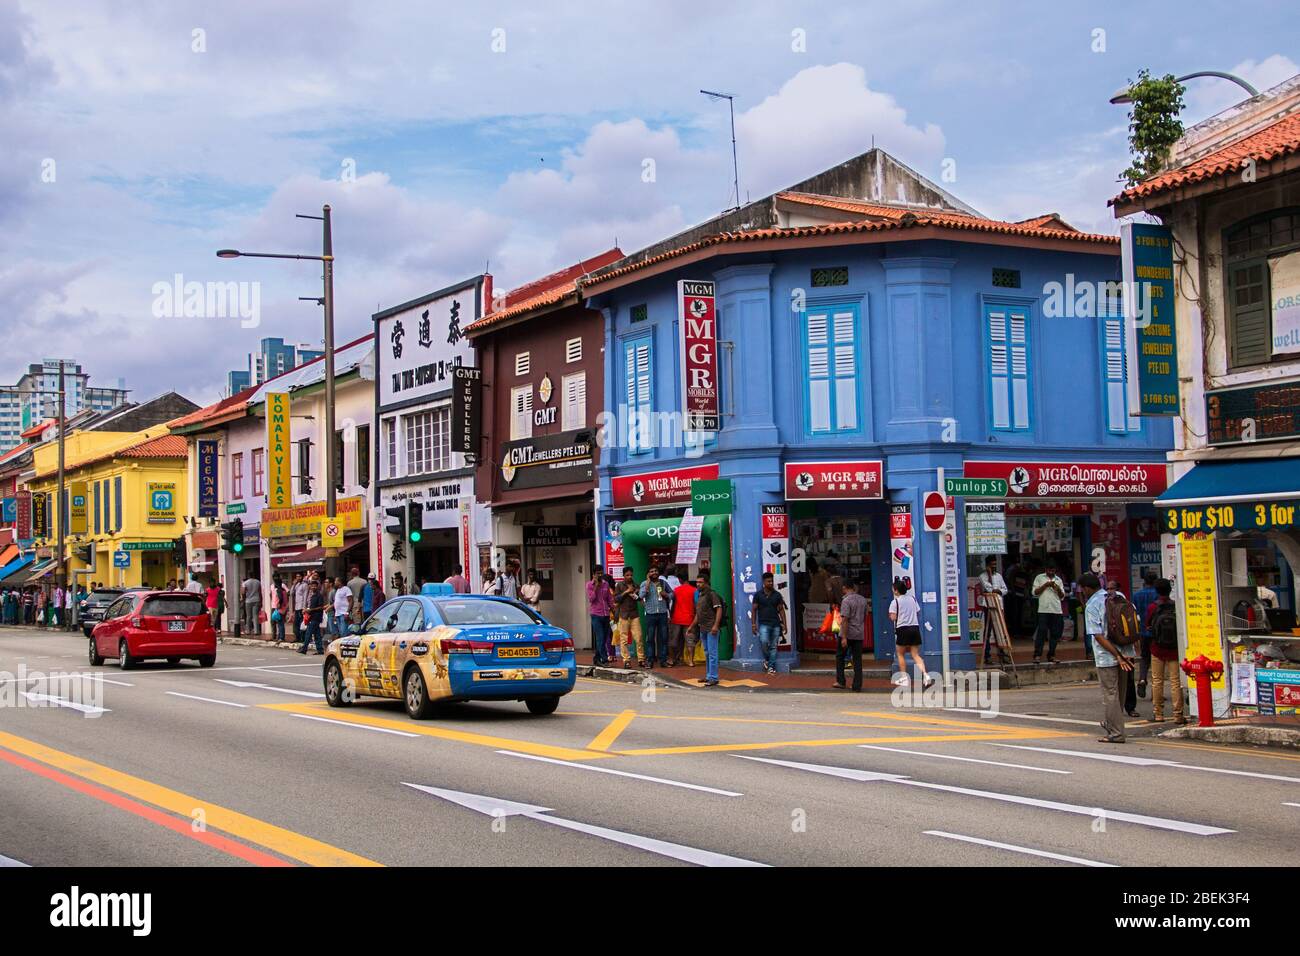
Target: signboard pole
{"type": "Point", "coordinates": [943, 586]}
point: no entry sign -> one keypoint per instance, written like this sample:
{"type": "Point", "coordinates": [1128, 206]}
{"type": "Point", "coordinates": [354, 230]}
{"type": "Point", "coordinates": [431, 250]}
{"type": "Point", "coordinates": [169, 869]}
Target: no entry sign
{"type": "Point", "coordinates": [935, 509]}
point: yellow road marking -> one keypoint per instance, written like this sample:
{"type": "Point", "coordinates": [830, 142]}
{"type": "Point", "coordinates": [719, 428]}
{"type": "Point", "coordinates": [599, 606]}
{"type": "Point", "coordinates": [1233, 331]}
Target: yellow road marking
{"type": "Point", "coordinates": [1220, 749]}
{"type": "Point", "coordinates": [742, 720]}
{"type": "Point", "coordinates": [715, 748]}
{"type": "Point", "coordinates": [417, 727]}
{"type": "Point", "coordinates": [744, 682]}
{"type": "Point", "coordinates": [287, 843]}
{"type": "Point", "coordinates": [605, 739]}
{"type": "Point", "coordinates": [945, 722]}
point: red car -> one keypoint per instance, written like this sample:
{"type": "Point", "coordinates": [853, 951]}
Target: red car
{"type": "Point", "coordinates": [144, 624]}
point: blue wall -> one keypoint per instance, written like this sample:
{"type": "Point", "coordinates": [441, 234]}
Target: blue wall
{"type": "Point", "coordinates": [923, 381]}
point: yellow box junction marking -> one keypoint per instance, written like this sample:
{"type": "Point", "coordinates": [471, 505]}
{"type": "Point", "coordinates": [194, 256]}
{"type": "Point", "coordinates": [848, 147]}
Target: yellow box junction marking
{"type": "Point", "coordinates": [287, 843]}
{"type": "Point", "coordinates": [605, 739]}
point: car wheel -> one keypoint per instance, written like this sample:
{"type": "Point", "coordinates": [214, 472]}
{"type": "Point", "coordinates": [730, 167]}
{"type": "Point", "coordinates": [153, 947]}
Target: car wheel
{"type": "Point", "coordinates": [542, 705]}
{"type": "Point", "coordinates": [207, 660]}
{"type": "Point", "coordinates": [416, 694]}
{"type": "Point", "coordinates": [173, 661]}
{"type": "Point", "coordinates": [96, 658]}
{"type": "Point", "coordinates": [336, 694]}
{"type": "Point", "coordinates": [124, 658]}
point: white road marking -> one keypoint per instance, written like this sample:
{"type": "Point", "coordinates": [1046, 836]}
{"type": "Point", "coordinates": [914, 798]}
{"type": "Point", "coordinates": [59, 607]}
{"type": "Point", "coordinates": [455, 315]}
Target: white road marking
{"type": "Point", "coordinates": [622, 773]}
{"type": "Point", "coordinates": [1003, 713]}
{"type": "Point", "coordinates": [282, 690]}
{"type": "Point", "coordinates": [209, 700]}
{"type": "Point", "coordinates": [1153, 762]}
{"type": "Point", "coordinates": [494, 807]}
{"type": "Point", "coordinates": [10, 861]}
{"type": "Point", "coordinates": [1016, 849]}
{"type": "Point", "coordinates": [106, 680]}
{"type": "Point", "coordinates": [88, 709]}
{"type": "Point", "coordinates": [270, 669]}
{"type": "Point", "coordinates": [1291, 804]}
{"type": "Point", "coordinates": [348, 723]}
{"type": "Point", "coordinates": [994, 763]}
{"type": "Point", "coordinates": [1120, 816]}
{"type": "Point", "coordinates": [63, 675]}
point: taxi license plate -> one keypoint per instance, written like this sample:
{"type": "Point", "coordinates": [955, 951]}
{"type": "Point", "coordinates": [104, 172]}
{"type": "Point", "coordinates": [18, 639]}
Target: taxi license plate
{"type": "Point", "coordinates": [177, 625]}
{"type": "Point", "coordinates": [519, 652]}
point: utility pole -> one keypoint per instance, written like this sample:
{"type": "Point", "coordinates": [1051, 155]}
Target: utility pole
{"type": "Point", "coordinates": [60, 575]}
{"type": "Point", "coordinates": [331, 445]}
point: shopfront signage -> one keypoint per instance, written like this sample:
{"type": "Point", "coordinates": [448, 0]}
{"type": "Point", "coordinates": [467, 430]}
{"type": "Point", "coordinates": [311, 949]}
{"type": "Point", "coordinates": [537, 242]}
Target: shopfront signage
{"type": "Point", "coordinates": [304, 520]}
{"type": "Point", "coordinates": [1150, 336]}
{"type": "Point", "coordinates": [811, 480]}
{"type": "Point", "coordinates": [466, 410]}
{"type": "Point", "coordinates": [543, 460]}
{"type": "Point", "coordinates": [1238, 416]}
{"type": "Point", "coordinates": [440, 501]}
{"type": "Point", "coordinates": [40, 514]}
{"type": "Point", "coordinates": [986, 529]}
{"type": "Point", "coordinates": [1027, 480]}
{"type": "Point", "coordinates": [1201, 602]}
{"type": "Point", "coordinates": [23, 518]}
{"type": "Point", "coordinates": [950, 574]}
{"type": "Point", "coordinates": [698, 325]}
{"type": "Point", "coordinates": [900, 544]}
{"type": "Point", "coordinates": [207, 476]}
{"type": "Point", "coordinates": [550, 535]}
{"type": "Point", "coordinates": [78, 510]}
{"type": "Point", "coordinates": [9, 511]}
{"type": "Point", "coordinates": [658, 489]}
{"type": "Point", "coordinates": [279, 493]}
{"type": "Point", "coordinates": [160, 499]}
{"type": "Point", "coordinates": [419, 348]}
{"type": "Point", "coordinates": [1241, 516]}
{"type": "Point", "coordinates": [975, 487]}
{"type": "Point", "coordinates": [712, 496]}
{"type": "Point", "coordinates": [776, 556]}
{"type": "Point", "coordinates": [1277, 691]}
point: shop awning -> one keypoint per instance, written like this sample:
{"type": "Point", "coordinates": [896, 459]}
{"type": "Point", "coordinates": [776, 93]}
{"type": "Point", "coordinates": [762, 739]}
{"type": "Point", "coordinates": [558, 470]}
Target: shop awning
{"type": "Point", "coordinates": [31, 573]}
{"type": "Point", "coordinates": [17, 564]}
{"type": "Point", "coordinates": [1256, 494]}
{"type": "Point", "coordinates": [315, 557]}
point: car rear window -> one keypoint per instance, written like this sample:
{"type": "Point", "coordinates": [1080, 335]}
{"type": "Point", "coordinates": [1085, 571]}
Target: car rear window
{"type": "Point", "coordinates": [485, 612]}
{"type": "Point", "coordinates": [162, 606]}
{"type": "Point", "coordinates": [103, 597]}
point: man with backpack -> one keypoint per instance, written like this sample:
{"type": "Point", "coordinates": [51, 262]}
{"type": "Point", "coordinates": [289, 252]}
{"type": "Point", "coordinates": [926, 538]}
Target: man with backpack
{"type": "Point", "coordinates": [1109, 622]}
{"type": "Point", "coordinates": [1162, 622]}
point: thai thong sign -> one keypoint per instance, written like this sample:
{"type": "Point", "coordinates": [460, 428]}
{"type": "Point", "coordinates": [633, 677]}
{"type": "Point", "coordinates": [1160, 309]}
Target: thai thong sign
{"type": "Point", "coordinates": [697, 321]}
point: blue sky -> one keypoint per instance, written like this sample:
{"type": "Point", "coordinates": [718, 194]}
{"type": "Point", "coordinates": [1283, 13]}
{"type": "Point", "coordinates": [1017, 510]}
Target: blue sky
{"type": "Point", "coordinates": [515, 135]}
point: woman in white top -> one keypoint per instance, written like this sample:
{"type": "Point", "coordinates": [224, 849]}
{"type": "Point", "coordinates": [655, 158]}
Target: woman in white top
{"type": "Point", "coordinates": [531, 593]}
{"type": "Point", "coordinates": [906, 615]}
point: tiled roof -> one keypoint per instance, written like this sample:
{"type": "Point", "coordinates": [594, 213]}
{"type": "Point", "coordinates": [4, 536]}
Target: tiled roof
{"type": "Point", "coordinates": [876, 210]}
{"type": "Point", "coordinates": [545, 291]}
{"type": "Point", "coordinates": [1051, 219]}
{"type": "Point", "coordinates": [37, 428]}
{"type": "Point", "coordinates": [164, 446]}
{"type": "Point", "coordinates": [15, 452]}
{"type": "Point", "coordinates": [217, 410]}
{"type": "Point", "coordinates": [944, 221]}
{"type": "Point", "coordinates": [1272, 142]}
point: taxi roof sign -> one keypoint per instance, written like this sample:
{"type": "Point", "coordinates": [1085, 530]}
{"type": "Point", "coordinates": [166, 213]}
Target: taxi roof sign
{"type": "Point", "coordinates": [437, 590]}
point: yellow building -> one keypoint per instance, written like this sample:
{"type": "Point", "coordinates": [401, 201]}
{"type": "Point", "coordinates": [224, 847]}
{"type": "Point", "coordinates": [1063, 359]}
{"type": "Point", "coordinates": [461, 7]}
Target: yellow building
{"type": "Point", "coordinates": [135, 502]}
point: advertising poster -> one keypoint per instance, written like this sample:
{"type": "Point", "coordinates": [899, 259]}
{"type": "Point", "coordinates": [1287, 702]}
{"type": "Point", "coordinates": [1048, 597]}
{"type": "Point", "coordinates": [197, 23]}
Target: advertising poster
{"type": "Point", "coordinates": [1151, 366]}
{"type": "Point", "coordinates": [900, 544]}
{"type": "Point", "coordinates": [1110, 534]}
{"type": "Point", "coordinates": [1201, 603]}
{"type": "Point", "coordinates": [776, 558]}
{"type": "Point", "coordinates": [78, 516]}
{"type": "Point", "coordinates": [207, 475]}
{"type": "Point", "coordinates": [1284, 286]}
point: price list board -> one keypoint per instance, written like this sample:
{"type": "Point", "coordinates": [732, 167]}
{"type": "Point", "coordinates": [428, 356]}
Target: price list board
{"type": "Point", "coordinates": [1201, 602]}
{"type": "Point", "coordinates": [986, 529]}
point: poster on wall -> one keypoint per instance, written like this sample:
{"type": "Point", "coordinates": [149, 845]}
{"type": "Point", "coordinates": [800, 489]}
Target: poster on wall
{"type": "Point", "coordinates": [776, 558]}
{"type": "Point", "coordinates": [1110, 544]}
{"type": "Point", "coordinates": [1284, 287]}
{"type": "Point", "coordinates": [900, 544]}
{"type": "Point", "coordinates": [697, 322]}
{"type": "Point", "coordinates": [950, 571]}
{"type": "Point", "coordinates": [1144, 550]}
{"type": "Point", "coordinates": [986, 529]}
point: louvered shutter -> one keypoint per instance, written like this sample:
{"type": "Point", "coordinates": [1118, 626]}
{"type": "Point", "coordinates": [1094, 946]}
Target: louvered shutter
{"type": "Point", "coordinates": [1248, 295]}
{"type": "Point", "coordinates": [999, 374]}
{"type": "Point", "coordinates": [575, 401]}
{"type": "Point", "coordinates": [1113, 373]}
{"type": "Point", "coordinates": [97, 508]}
{"type": "Point", "coordinates": [819, 372]}
{"type": "Point", "coordinates": [117, 503]}
{"type": "Point", "coordinates": [639, 394]}
{"type": "Point", "coordinates": [846, 372]}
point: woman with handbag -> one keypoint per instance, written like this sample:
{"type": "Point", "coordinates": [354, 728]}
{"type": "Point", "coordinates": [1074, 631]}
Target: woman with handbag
{"type": "Point", "coordinates": [279, 608]}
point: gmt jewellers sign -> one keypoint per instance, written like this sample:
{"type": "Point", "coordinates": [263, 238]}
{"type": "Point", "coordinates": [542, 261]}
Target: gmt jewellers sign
{"type": "Point", "coordinates": [420, 344]}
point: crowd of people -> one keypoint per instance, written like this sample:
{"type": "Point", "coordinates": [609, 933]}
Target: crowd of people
{"type": "Point", "coordinates": [40, 606]}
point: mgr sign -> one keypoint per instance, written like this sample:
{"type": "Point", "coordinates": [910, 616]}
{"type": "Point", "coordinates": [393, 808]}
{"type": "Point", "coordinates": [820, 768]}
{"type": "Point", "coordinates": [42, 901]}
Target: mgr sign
{"type": "Point", "coordinates": [697, 321]}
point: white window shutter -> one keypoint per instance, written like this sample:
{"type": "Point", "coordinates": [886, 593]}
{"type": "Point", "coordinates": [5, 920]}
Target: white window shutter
{"type": "Point", "coordinates": [573, 350]}
{"type": "Point", "coordinates": [819, 372]}
{"type": "Point", "coordinates": [999, 377]}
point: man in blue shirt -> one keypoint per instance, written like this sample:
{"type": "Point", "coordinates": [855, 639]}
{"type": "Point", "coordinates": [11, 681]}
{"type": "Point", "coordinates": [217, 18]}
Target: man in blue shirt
{"type": "Point", "coordinates": [1111, 662]}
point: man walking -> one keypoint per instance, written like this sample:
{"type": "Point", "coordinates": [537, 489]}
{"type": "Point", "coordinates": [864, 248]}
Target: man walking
{"type": "Point", "coordinates": [315, 611]}
{"type": "Point", "coordinates": [1162, 624]}
{"type": "Point", "coordinates": [57, 600]}
{"type": "Point", "coordinates": [853, 631]}
{"type": "Point", "coordinates": [252, 598]}
{"type": "Point", "coordinates": [298, 603]}
{"type": "Point", "coordinates": [769, 621]}
{"type": "Point", "coordinates": [657, 598]}
{"type": "Point", "coordinates": [342, 608]}
{"type": "Point", "coordinates": [1050, 592]}
{"type": "Point", "coordinates": [599, 600]}
{"type": "Point", "coordinates": [1111, 662]}
{"type": "Point", "coordinates": [708, 622]}
{"type": "Point", "coordinates": [627, 630]}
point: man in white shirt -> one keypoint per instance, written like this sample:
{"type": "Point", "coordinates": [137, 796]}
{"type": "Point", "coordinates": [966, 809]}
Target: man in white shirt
{"type": "Point", "coordinates": [990, 580]}
{"type": "Point", "coordinates": [342, 607]}
{"type": "Point", "coordinates": [1111, 662]}
{"type": "Point", "coordinates": [1049, 589]}
{"type": "Point", "coordinates": [58, 605]}
{"type": "Point", "coordinates": [194, 587]}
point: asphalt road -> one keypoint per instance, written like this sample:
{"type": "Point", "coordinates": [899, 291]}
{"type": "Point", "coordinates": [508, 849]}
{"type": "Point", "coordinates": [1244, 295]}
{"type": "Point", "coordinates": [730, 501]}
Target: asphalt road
{"type": "Point", "coordinates": [243, 764]}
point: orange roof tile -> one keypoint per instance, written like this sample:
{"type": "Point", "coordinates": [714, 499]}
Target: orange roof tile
{"type": "Point", "coordinates": [549, 290]}
{"type": "Point", "coordinates": [1272, 142]}
{"type": "Point", "coordinates": [852, 205]}
{"type": "Point", "coordinates": [216, 410]}
{"type": "Point", "coordinates": [164, 446]}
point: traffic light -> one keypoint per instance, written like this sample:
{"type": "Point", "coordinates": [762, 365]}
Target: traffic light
{"type": "Point", "coordinates": [414, 520]}
{"type": "Point", "coordinates": [232, 536]}
{"type": "Point", "coordinates": [396, 523]}
{"type": "Point", "coordinates": [85, 553]}
{"type": "Point", "coordinates": [179, 552]}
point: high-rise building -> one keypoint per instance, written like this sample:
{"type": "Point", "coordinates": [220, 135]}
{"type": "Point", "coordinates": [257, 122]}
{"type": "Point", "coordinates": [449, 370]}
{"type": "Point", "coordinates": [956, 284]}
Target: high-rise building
{"type": "Point", "coordinates": [273, 357]}
{"type": "Point", "coordinates": [34, 397]}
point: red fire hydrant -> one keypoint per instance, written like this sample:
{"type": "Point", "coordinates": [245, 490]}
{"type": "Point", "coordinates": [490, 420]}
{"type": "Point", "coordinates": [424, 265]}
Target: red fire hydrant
{"type": "Point", "coordinates": [1203, 671]}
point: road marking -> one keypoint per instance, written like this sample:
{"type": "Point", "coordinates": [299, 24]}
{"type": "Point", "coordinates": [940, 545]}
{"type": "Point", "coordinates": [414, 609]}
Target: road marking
{"type": "Point", "coordinates": [497, 808]}
{"type": "Point", "coordinates": [182, 826]}
{"type": "Point", "coordinates": [623, 773]}
{"type": "Point", "coordinates": [208, 700]}
{"type": "Point", "coordinates": [1154, 762]}
{"type": "Point", "coordinates": [105, 680]}
{"type": "Point", "coordinates": [606, 737]}
{"type": "Point", "coordinates": [10, 861]}
{"type": "Point", "coordinates": [90, 710]}
{"type": "Point", "coordinates": [834, 742]}
{"type": "Point", "coordinates": [993, 763]}
{"type": "Point", "coordinates": [345, 723]}
{"type": "Point", "coordinates": [1003, 713]}
{"type": "Point", "coordinates": [356, 715]}
{"type": "Point", "coordinates": [755, 720]}
{"type": "Point", "coordinates": [1291, 804]}
{"type": "Point", "coordinates": [1016, 849]}
{"type": "Point", "coordinates": [1117, 815]}
{"type": "Point", "coordinates": [282, 690]}
{"type": "Point", "coordinates": [1220, 749]}
{"type": "Point", "coordinates": [743, 682]}
{"type": "Point", "coordinates": [295, 846]}
{"type": "Point", "coordinates": [981, 724]}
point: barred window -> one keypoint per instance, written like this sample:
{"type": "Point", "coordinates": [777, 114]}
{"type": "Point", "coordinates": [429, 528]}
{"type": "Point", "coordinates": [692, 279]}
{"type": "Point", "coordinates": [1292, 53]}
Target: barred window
{"type": "Point", "coordinates": [428, 441]}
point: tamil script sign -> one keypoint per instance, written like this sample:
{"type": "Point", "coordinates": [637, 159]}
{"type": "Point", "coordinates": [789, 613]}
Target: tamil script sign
{"type": "Point", "coordinates": [1074, 479]}
{"type": "Point", "coordinates": [697, 321]}
{"type": "Point", "coordinates": [207, 477]}
{"type": "Point", "coordinates": [279, 492]}
{"type": "Point", "coordinates": [161, 502]}
{"type": "Point", "coordinates": [1151, 360]}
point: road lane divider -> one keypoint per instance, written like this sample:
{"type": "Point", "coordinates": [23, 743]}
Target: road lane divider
{"type": "Point", "coordinates": [605, 739]}
{"type": "Point", "coordinates": [623, 773]}
{"type": "Point", "coordinates": [1153, 762]}
{"type": "Point", "coordinates": [1016, 849]}
{"type": "Point", "coordinates": [937, 756]}
{"type": "Point", "coordinates": [206, 700]}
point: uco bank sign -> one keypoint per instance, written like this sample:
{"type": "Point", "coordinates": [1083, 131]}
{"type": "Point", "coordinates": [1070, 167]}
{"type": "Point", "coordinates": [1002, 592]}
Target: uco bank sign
{"type": "Point", "coordinates": [697, 320]}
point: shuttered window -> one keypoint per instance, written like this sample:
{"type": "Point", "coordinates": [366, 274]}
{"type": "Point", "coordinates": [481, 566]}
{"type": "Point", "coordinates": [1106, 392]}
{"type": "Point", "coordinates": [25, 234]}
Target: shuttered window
{"type": "Point", "coordinates": [97, 507]}
{"type": "Point", "coordinates": [1118, 419]}
{"type": "Point", "coordinates": [521, 412]}
{"type": "Point", "coordinates": [117, 503]}
{"type": "Point", "coordinates": [573, 390]}
{"type": "Point", "coordinates": [573, 350]}
{"type": "Point", "coordinates": [1008, 344]}
{"type": "Point", "coordinates": [1248, 302]}
{"type": "Point", "coordinates": [523, 363]}
{"type": "Point", "coordinates": [639, 393]}
{"type": "Point", "coordinates": [831, 368]}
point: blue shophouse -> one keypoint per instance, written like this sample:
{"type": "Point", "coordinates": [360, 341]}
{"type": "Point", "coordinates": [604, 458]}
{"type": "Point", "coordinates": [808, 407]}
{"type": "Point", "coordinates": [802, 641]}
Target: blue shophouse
{"type": "Point", "coordinates": [872, 329]}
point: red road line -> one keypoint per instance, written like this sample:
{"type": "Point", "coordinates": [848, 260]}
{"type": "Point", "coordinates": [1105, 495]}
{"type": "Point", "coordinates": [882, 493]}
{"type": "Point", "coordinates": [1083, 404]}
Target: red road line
{"type": "Point", "coordinates": [214, 840]}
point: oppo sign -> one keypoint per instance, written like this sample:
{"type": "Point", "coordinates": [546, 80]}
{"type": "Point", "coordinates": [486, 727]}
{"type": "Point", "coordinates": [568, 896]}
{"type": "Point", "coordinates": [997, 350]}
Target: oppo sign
{"type": "Point", "coordinates": [662, 531]}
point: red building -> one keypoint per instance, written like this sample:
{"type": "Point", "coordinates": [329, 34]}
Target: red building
{"type": "Point", "coordinates": [541, 353]}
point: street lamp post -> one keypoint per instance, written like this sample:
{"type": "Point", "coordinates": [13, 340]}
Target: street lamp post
{"type": "Point", "coordinates": [1123, 96]}
{"type": "Point", "coordinates": [326, 258]}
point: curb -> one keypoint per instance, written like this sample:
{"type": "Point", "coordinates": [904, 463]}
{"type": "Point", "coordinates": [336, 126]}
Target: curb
{"type": "Point", "coordinates": [254, 642]}
{"type": "Point", "coordinates": [1283, 737]}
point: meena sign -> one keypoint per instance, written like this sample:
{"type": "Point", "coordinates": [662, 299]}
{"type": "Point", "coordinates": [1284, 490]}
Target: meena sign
{"type": "Point", "coordinates": [1074, 479]}
{"type": "Point", "coordinates": [207, 478]}
{"type": "Point", "coordinates": [658, 489]}
{"type": "Point", "coordinates": [279, 493]}
{"type": "Point", "coordinates": [807, 480]}
{"type": "Point", "coordinates": [697, 321]}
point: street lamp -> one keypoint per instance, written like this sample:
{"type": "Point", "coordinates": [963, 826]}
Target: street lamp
{"type": "Point", "coordinates": [327, 258]}
{"type": "Point", "coordinates": [1122, 96]}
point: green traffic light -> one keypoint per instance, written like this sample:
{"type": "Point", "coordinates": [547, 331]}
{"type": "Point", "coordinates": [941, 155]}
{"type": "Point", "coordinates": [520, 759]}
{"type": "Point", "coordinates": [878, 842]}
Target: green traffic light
{"type": "Point", "coordinates": [415, 536]}
{"type": "Point", "coordinates": [239, 546]}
